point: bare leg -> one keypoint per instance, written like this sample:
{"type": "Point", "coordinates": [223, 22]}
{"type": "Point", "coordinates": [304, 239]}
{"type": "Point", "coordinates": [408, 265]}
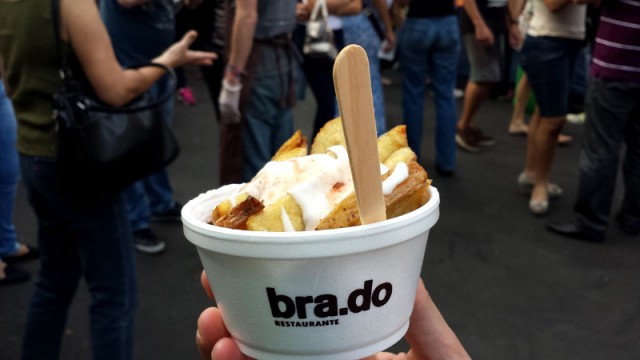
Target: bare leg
{"type": "Point", "coordinates": [544, 143]}
{"type": "Point", "coordinates": [533, 127]}
{"type": "Point", "coordinates": [475, 94]}
{"type": "Point", "coordinates": [523, 92]}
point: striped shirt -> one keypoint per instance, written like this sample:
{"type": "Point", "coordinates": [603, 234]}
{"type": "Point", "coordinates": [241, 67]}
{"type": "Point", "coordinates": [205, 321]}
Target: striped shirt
{"type": "Point", "coordinates": [616, 55]}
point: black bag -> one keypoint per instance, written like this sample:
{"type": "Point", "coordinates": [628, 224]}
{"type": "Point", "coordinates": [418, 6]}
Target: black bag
{"type": "Point", "coordinates": [105, 149]}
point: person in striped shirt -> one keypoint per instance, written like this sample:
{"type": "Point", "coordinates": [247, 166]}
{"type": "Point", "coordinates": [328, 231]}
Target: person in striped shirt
{"type": "Point", "coordinates": [613, 120]}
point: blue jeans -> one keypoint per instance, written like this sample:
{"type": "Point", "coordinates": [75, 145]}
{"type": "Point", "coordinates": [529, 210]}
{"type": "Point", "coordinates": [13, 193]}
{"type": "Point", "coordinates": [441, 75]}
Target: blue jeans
{"type": "Point", "coordinates": [154, 193]}
{"type": "Point", "coordinates": [9, 174]}
{"type": "Point", "coordinates": [550, 63]}
{"type": "Point", "coordinates": [429, 48]}
{"type": "Point", "coordinates": [79, 239]}
{"type": "Point", "coordinates": [269, 122]}
{"type": "Point", "coordinates": [358, 30]}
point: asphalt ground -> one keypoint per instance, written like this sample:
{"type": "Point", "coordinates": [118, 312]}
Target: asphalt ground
{"type": "Point", "coordinates": [508, 288]}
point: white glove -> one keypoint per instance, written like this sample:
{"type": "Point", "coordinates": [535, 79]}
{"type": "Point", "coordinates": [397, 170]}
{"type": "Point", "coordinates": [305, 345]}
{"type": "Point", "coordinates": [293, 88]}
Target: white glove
{"type": "Point", "coordinates": [229, 101]}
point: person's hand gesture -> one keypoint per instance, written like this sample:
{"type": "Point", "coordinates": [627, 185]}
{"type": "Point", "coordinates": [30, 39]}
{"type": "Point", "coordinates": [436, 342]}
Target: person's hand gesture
{"type": "Point", "coordinates": [179, 54]}
{"type": "Point", "coordinates": [429, 335]}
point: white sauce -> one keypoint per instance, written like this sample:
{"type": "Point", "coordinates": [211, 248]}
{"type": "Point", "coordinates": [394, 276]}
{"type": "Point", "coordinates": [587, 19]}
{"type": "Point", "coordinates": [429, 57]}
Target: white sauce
{"type": "Point", "coordinates": [316, 182]}
{"type": "Point", "coordinates": [318, 195]}
{"type": "Point", "coordinates": [400, 173]}
{"type": "Point", "coordinates": [286, 221]}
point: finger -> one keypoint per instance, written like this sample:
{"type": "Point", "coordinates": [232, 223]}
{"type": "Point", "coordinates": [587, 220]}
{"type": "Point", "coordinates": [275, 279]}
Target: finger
{"type": "Point", "coordinates": [382, 356]}
{"type": "Point", "coordinates": [205, 55]}
{"type": "Point", "coordinates": [227, 349]}
{"type": "Point", "coordinates": [189, 37]}
{"type": "Point", "coordinates": [210, 330]}
{"type": "Point", "coordinates": [204, 280]}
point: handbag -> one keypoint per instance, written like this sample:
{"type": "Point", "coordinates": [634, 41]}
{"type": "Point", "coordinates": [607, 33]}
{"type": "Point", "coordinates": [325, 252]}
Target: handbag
{"type": "Point", "coordinates": [318, 40]}
{"type": "Point", "coordinates": [102, 148]}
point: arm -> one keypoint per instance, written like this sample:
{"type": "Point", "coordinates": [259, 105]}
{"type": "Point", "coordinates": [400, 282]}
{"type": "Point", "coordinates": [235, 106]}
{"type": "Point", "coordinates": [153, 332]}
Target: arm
{"type": "Point", "coordinates": [483, 33]}
{"type": "Point", "coordinates": [242, 33]}
{"type": "Point", "coordinates": [383, 11]}
{"type": "Point", "coordinates": [132, 3]}
{"type": "Point", "coordinates": [344, 7]}
{"type": "Point", "coordinates": [335, 7]}
{"type": "Point", "coordinates": [514, 9]}
{"type": "Point", "coordinates": [556, 5]}
{"type": "Point", "coordinates": [82, 27]}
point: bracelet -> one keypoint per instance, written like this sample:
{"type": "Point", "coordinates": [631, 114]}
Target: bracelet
{"type": "Point", "coordinates": [513, 21]}
{"type": "Point", "coordinates": [235, 71]}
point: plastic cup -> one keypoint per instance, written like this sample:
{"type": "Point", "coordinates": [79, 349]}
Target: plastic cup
{"type": "Point", "coordinates": [331, 294]}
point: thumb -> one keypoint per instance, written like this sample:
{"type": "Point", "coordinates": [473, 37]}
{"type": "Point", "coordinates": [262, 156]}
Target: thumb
{"type": "Point", "coordinates": [189, 38]}
{"type": "Point", "coordinates": [429, 335]}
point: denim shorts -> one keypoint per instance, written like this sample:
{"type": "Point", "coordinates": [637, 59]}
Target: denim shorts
{"type": "Point", "coordinates": [485, 61]}
{"type": "Point", "coordinates": [550, 63]}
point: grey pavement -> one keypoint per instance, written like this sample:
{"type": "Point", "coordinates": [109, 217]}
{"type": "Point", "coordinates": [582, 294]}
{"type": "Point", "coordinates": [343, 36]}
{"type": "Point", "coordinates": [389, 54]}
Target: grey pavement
{"type": "Point", "coordinates": [508, 288]}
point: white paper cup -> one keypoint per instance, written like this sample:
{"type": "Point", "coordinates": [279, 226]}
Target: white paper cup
{"type": "Point", "coordinates": [330, 294]}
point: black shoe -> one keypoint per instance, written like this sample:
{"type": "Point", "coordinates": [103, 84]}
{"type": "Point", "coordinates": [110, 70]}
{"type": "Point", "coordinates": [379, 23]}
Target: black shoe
{"type": "Point", "coordinates": [147, 242]}
{"type": "Point", "coordinates": [572, 230]}
{"type": "Point", "coordinates": [444, 172]}
{"type": "Point", "coordinates": [625, 227]}
{"type": "Point", "coordinates": [32, 254]}
{"type": "Point", "coordinates": [14, 275]}
{"type": "Point", "coordinates": [170, 215]}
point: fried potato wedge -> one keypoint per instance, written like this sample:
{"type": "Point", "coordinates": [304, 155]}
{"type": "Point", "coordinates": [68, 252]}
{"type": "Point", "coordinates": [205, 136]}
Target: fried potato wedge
{"type": "Point", "coordinates": [404, 154]}
{"type": "Point", "coordinates": [284, 214]}
{"type": "Point", "coordinates": [407, 196]}
{"type": "Point", "coordinates": [271, 218]}
{"type": "Point", "coordinates": [391, 141]}
{"type": "Point", "coordinates": [238, 216]}
{"type": "Point", "coordinates": [329, 135]}
{"type": "Point", "coordinates": [296, 146]}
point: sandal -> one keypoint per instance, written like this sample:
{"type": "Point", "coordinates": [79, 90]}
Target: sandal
{"type": "Point", "coordinates": [525, 184]}
{"type": "Point", "coordinates": [518, 129]}
{"type": "Point", "coordinates": [538, 208]}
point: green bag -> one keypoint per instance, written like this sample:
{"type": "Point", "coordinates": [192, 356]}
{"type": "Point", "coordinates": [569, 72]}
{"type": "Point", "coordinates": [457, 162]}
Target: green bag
{"type": "Point", "coordinates": [531, 104]}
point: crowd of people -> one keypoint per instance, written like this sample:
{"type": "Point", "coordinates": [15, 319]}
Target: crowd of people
{"type": "Point", "coordinates": [254, 59]}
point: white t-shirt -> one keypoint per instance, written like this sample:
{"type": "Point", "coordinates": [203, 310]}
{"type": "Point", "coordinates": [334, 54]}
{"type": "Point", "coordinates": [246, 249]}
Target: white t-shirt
{"type": "Point", "coordinates": [335, 22]}
{"type": "Point", "coordinates": [567, 23]}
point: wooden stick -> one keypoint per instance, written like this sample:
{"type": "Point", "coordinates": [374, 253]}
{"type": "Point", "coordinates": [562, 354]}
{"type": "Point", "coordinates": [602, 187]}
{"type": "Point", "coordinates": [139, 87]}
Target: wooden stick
{"type": "Point", "coordinates": [353, 88]}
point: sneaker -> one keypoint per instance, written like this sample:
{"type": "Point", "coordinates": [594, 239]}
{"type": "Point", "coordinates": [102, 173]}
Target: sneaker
{"type": "Point", "coordinates": [185, 95]}
{"type": "Point", "coordinates": [466, 140]}
{"type": "Point", "coordinates": [458, 94]}
{"type": "Point", "coordinates": [147, 242]}
{"type": "Point", "coordinates": [482, 138]}
{"type": "Point", "coordinates": [577, 118]}
{"type": "Point", "coordinates": [170, 215]}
